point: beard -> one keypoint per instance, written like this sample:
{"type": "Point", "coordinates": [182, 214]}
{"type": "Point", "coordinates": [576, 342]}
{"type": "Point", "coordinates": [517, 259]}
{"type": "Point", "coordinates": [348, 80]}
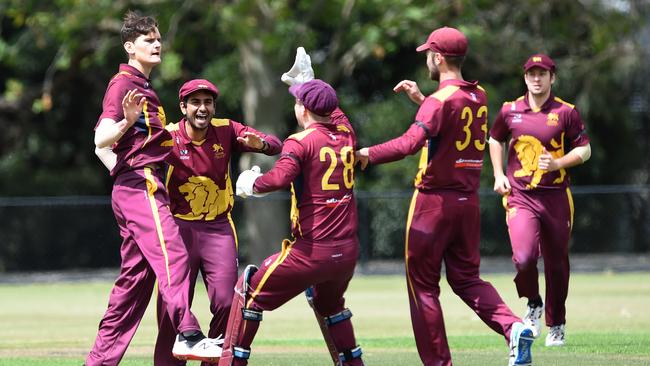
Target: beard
{"type": "Point", "coordinates": [434, 73]}
{"type": "Point", "coordinates": [199, 126]}
{"type": "Point", "coordinates": [538, 92]}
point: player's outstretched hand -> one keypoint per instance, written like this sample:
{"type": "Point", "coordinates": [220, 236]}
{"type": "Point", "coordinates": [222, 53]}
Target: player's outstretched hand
{"type": "Point", "coordinates": [361, 156]}
{"type": "Point", "coordinates": [301, 71]}
{"type": "Point", "coordinates": [546, 161]}
{"type": "Point", "coordinates": [252, 140]}
{"type": "Point", "coordinates": [411, 89]}
{"type": "Point", "coordinates": [246, 181]}
{"type": "Point", "coordinates": [132, 104]}
{"type": "Point", "coordinates": [502, 185]}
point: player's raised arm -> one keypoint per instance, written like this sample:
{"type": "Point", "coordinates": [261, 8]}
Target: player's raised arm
{"type": "Point", "coordinates": [109, 131]}
{"type": "Point", "coordinates": [411, 89]}
{"type": "Point", "coordinates": [250, 139]}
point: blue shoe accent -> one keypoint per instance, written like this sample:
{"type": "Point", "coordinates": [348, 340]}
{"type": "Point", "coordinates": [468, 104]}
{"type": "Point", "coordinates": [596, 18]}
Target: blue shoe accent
{"type": "Point", "coordinates": [524, 340]}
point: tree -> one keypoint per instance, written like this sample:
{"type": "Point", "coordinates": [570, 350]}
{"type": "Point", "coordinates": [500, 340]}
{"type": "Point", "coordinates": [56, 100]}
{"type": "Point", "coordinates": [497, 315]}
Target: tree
{"type": "Point", "coordinates": [56, 57]}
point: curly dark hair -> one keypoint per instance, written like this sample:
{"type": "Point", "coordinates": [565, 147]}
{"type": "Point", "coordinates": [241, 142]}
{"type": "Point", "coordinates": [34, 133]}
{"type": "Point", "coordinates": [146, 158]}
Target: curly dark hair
{"type": "Point", "coordinates": [136, 25]}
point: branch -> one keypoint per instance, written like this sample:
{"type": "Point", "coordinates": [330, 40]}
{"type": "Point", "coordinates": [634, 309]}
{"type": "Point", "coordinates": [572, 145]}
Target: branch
{"type": "Point", "coordinates": [175, 20]}
{"type": "Point", "coordinates": [332, 71]}
{"type": "Point", "coordinates": [46, 96]}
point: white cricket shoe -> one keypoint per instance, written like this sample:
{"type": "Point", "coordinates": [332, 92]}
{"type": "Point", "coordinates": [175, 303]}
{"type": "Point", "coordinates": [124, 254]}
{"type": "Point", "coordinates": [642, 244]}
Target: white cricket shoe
{"type": "Point", "coordinates": [197, 347]}
{"type": "Point", "coordinates": [555, 336]}
{"type": "Point", "coordinates": [533, 319]}
{"type": "Point", "coordinates": [521, 342]}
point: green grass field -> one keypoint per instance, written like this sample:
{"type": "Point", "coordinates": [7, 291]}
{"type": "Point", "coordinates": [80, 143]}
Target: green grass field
{"type": "Point", "coordinates": [608, 324]}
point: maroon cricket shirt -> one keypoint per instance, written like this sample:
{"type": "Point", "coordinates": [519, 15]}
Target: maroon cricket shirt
{"type": "Point", "coordinates": [198, 176]}
{"type": "Point", "coordinates": [450, 127]}
{"type": "Point", "coordinates": [146, 141]}
{"type": "Point", "coordinates": [318, 164]}
{"type": "Point", "coordinates": [557, 126]}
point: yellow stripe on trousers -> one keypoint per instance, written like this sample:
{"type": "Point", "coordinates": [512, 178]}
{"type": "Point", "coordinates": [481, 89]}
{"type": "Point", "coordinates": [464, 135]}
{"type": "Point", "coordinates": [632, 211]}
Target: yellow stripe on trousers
{"type": "Point", "coordinates": [152, 187]}
{"type": "Point", "coordinates": [406, 246]}
{"type": "Point", "coordinates": [571, 208]}
{"type": "Point", "coordinates": [286, 248]}
{"type": "Point", "coordinates": [234, 232]}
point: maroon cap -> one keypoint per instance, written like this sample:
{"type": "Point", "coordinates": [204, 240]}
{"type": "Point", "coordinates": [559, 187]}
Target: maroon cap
{"type": "Point", "coordinates": [539, 60]}
{"type": "Point", "coordinates": [317, 96]}
{"type": "Point", "coordinates": [196, 85]}
{"type": "Point", "coordinates": [446, 41]}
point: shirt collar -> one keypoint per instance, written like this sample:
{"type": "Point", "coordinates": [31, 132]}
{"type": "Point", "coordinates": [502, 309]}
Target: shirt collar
{"type": "Point", "coordinates": [545, 106]}
{"type": "Point", "coordinates": [133, 71]}
{"type": "Point", "coordinates": [457, 82]}
{"type": "Point", "coordinates": [182, 132]}
{"type": "Point", "coordinates": [185, 138]}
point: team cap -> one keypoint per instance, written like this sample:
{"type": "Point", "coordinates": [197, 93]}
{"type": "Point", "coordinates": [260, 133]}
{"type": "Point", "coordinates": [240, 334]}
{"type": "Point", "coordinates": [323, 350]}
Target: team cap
{"type": "Point", "coordinates": [317, 96]}
{"type": "Point", "coordinates": [195, 85]}
{"type": "Point", "coordinates": [446, 41]}
{"type": "Point", "coordinates": [539, 60]}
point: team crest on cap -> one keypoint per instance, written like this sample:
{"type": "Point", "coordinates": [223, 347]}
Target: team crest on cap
{"type": "Point", "coordinates": [537, 59]}
{"type": "Point", "coordinates": [552, 119]}
{"type": "Point", "coordinates": [218, 151]}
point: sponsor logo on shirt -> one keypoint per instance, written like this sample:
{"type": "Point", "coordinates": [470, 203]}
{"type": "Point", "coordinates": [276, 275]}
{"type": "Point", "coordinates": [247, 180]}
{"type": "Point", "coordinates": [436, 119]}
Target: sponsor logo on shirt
{"type": "Point", "coordinates": [552, 119]}
{"type": "Point", "coordinates": [473, 96]}
{"type": "Point", "coordinates": [516, 118]}
{"type": "Point", "coordinates": [185, 154]}
{"type": "Point", "coordinates": [468, 164]}
{"type": "Point", "coordinates": [334, 202]}
{"type": "Point", "coordinates": [218, 151]}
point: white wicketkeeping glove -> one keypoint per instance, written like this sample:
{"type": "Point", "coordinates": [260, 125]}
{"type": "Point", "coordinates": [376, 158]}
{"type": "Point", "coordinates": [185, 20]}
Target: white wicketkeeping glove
{"type": "Point", "coordinates": [301, 71]}
{"type": "Point", "coordinates": [245, 182]}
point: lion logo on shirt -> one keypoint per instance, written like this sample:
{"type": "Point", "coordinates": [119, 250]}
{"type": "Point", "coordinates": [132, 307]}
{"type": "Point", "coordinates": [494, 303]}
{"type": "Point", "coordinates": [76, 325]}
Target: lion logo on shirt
{"type": "Point", "coordinates": [528, 150]}
{"type": "Point", "coordinates": [205, 198]}
{"type": "Point", "coordinates": [218, 151]}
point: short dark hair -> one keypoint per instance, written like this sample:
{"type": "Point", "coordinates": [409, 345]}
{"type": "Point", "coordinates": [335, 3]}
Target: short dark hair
{"type": "Point", "coordinates": [455, 61]}
{"type": "Point", "coordinates": [136, 25]}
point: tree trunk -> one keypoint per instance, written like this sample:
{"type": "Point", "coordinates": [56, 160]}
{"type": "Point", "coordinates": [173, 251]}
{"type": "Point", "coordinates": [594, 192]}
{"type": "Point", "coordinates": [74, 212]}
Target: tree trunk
{"type": "Point", "coordinates": [266, 220]}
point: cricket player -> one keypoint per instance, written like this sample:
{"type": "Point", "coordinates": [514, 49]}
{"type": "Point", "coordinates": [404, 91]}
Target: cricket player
{"type": "Point", "coordinates": [546, 136]}
{"type": "Point", "coordinates": [131, 137]}
{"type": "Point", "coordinates": [201, 198]}
{"type": "Point", "coordinates": [318, 165]}
{"type": "Point", "coordinates": [443, 223]}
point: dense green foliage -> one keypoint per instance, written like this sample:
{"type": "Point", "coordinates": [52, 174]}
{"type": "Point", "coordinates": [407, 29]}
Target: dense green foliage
{"type": "Point", "coordinates": [57, 56]}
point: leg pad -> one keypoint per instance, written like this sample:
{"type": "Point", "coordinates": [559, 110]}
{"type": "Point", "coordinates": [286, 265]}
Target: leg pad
{"type": "Point", "coordinates": [350, 354]}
